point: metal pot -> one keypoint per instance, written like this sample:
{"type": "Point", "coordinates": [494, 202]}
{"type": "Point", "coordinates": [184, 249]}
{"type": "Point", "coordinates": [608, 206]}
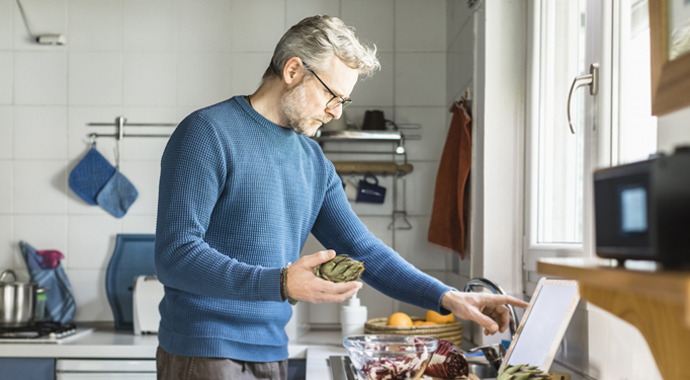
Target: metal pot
{"type": "Point", "coordinates": [17, 301]}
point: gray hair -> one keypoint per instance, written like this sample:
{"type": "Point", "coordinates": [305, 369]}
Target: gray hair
{"type": "Point", "coordinates": [315, 40]}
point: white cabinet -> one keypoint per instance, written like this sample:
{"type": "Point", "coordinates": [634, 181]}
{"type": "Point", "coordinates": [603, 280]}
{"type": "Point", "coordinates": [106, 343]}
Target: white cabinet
{"type": "Point", "coordinates": [106, 376]}
{"type": "Point", "coordinates": [106, 369]}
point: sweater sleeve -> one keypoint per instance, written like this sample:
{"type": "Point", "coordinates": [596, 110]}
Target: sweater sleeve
{"type": "Point", "coordinates": [194, 170]}
{"type": "Point", "coordinates": [337, 227]}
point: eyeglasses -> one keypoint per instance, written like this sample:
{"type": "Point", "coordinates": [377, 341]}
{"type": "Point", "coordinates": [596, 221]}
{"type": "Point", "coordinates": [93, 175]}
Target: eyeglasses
{"type": "Point", "coordinates": [336, 100]}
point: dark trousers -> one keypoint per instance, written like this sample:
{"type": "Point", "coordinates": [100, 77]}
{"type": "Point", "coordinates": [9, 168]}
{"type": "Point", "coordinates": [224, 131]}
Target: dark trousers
{"type": "Point", "coordinates": [174, 367]}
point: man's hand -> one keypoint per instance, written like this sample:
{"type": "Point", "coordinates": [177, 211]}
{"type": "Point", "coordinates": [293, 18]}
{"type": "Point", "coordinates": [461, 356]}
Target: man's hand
{"type": "Point", "coordinates": [304, 285]}
{"type": "Point", "coordinates": [488, 310]}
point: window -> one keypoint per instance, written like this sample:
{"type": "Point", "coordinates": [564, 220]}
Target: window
{"type": "Point", "coordinates": [613, 127]}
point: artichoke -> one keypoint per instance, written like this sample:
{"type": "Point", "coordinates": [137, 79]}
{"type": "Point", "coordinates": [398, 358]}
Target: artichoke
{"type": "Point", "coordinates": [340, 269]}
{"type": "Point", "coordinates": [523, 372]}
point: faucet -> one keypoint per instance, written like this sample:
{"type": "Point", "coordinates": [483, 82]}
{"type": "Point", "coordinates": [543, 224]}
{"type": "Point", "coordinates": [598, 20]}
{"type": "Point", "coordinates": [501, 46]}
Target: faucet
{"type": "Point", "coordinates": [476, 282]}
{"type": "Point", "coordinates": [494, 353]}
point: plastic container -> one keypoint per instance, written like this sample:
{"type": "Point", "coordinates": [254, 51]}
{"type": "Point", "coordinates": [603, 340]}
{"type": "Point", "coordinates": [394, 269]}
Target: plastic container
{"type": "Point", "coordinates": [40, 312]}
{"type": "Point", "coordinates": [353, 316]}
{"type": "Point", "coordinates": [390, 356]}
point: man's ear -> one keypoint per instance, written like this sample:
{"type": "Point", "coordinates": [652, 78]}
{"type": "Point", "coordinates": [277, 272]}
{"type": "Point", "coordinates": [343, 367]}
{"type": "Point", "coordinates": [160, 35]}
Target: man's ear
{"type": "Point", "coordinates": [293, 71]}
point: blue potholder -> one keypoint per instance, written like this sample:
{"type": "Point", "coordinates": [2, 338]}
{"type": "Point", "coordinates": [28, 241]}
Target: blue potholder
{"type": "Point", "coordinates": [60, 305]}
{"type": "Point", "coordinates": [90, 175]}
{"type": "Point", "coordinates": [117, 195]}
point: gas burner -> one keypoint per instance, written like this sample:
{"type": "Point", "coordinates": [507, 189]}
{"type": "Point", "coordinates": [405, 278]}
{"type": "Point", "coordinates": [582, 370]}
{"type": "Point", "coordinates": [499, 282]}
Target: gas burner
{"type": "Point", "coordinates": [49, 330]}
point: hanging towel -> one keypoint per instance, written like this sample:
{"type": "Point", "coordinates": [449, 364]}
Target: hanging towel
{"type": "Point", "coordinates": [117, 195]}
{"type": "Point", "coordinates": [90, 175]}
{"type": "Point", "coordinates": [447, 228]}
{"type": "Point", "coordinates": [60, 305]}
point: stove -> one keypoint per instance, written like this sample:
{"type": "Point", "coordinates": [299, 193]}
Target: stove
{"type": "Point", "coordinates": [41, 332]}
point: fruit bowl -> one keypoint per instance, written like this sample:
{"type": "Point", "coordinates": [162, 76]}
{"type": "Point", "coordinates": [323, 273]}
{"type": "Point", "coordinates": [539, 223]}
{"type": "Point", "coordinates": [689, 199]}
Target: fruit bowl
{"type": "Point", "coordinates": [390, 357]}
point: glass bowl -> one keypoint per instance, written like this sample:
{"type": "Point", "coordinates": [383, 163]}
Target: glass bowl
{"type": "Point", "coordinates": [390, 357]}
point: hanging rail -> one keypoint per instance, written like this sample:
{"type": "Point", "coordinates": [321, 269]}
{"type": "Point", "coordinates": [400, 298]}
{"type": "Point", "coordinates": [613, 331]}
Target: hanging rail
{"type": "Point", "coordinates": [120, 124]}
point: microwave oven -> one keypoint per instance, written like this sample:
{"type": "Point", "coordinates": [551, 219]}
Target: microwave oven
{"type": "Point", "coordinates": [642, 210]}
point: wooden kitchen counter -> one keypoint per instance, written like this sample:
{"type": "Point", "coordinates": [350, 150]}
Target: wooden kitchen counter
{"type": "Point", "coordinates": [656, 302]}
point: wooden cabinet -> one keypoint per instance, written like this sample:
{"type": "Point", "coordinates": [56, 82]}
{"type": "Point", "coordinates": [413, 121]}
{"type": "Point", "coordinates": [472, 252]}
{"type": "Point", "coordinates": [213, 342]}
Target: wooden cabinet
{"type": "Point", "coordinates": [656, 302]}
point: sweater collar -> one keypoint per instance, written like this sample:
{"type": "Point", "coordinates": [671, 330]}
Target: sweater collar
{"type": "Point", "coordinates": [260, 119]}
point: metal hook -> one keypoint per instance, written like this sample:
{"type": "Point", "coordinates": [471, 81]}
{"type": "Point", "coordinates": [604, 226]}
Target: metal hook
{"type": "Point", "coordinates": [92, 139]}
{"type": "Point", "coordinates": [396, 216]}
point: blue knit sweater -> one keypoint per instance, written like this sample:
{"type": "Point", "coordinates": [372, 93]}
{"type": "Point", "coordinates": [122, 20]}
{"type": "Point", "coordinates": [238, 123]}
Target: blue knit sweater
{"type": "Point", "coordinates": [238, 198]}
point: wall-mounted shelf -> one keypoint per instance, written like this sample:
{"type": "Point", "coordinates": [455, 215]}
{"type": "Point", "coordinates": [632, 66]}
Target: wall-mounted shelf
{"type": "Point", "coordinates": [364, 167]}
{"type": "Point", "coordinates": [371, 136]}
{"type": "Point", "coordinates": [386, 168]}
{"type": "Point", "coordinates": [656, 302]}
{"type": "Point", "coordinates": [358, 135]}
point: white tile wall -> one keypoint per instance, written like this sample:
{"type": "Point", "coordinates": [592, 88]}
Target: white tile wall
{"type": "Point", "coordinates": [91, 240]}
{"type": "Point", "coordinates": [373, 21]}
{"type": "Point", "coordinates": [40, 186]}
{"type": "Point", "coordinates": [6, 25]}
{"type": "Point", "coordinates": [6, 253]}
{"type": "Point", "coordinates": [95, 78]}
{"type": "Point", "coordinates": [433, 131]}
{"type": "Point", "coordinates": [257, 25]}
{"type": "Point", "coordinates": [431, 37]}
{"type": "Point", "coordinates": [158, 60]}
{"type": "Point", "coordinates": [89, 295]}
{"type": "Point", "coordinates": [5, 188]}
{"type": "Point", "coordinates": [203, 26]}
{"type": "Point", "coordinates": [95, 25]}
{"type": "Point", "coordinates": [415, 83]}
{"type": "Point", "coordinates": [149, 25]}
{"type": "Point", "coordinates": [247, 70]}
{"type": "Point", "coordinates": [39, 78]}
{"type": "Point", "coordinates": [40, 132]}
{"type": "Point", "coordinates": [6, 79]}
{"type": "Point", "coordinates": [6, 131]}
{"type": "Point", "coordinates": [296, 10]}
{"type": "Point", "coordinates": [149, 79]}
{"type": "Point", "coordinates": [377, 91]}
{"type": "Point", "coordinates": [204, 78]}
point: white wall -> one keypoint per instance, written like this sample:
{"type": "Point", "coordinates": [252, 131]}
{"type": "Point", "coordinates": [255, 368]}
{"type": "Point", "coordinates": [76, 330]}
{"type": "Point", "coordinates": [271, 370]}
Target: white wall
{"type": "Point", "coordinates": [156, 61]}
{"type": "Point", "coordinates": [484, 38]}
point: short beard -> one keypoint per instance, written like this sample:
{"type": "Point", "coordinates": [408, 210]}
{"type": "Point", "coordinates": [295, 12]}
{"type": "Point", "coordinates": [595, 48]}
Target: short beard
{"type": "Point", "coordinates": [292, 105]}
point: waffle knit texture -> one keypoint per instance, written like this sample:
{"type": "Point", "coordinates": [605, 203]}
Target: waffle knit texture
{"type": "Point", "coordinates": [238, 198]}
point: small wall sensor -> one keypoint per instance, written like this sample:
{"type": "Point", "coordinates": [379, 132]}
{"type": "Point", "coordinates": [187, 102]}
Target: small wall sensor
{"type": "Point", "coordinates": [51, 39]}
{"type": "Point", "coordinates": [43, 39]}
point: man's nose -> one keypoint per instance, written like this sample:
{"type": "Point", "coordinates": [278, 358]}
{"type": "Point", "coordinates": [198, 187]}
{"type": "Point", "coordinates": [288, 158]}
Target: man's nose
{"type": "Point", "coordinates": [335, 112]}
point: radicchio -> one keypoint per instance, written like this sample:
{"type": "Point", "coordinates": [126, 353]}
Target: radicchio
{"type": "Point", "coordinates": [404, 366]}
{"type": "Point", "coordinates": [447, 362]}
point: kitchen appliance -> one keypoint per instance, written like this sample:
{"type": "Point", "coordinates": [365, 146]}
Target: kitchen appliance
{"type": "Point", "coordinates": [148, 293]}
{"type": "Point", "coordinates": [42, 332]}
{"type": "Point", "coordinates": [17, 300]}
{"type": "Point", "coordinates": [642, 210]}
{"type": "Point", "coordinates": [132, 257]}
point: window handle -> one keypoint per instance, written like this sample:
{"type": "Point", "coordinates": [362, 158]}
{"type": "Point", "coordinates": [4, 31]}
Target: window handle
{"type": "Point", "coordinates": [591, 80]}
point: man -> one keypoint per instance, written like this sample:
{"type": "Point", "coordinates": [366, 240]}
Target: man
{"type": "Point", "coordinates": [241, 188]}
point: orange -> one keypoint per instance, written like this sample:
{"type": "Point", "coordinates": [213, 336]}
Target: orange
{"type": "Point", "coordinates": [399, 319]}
{"type": "Point", "coordinates": [432, 316]}
{"type": "Point", "coordinates": [428, 323]}
{"type": "Point", "coordinates": [417, 323]}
